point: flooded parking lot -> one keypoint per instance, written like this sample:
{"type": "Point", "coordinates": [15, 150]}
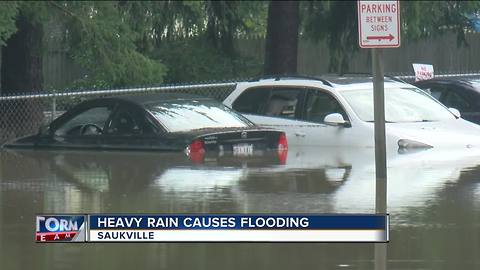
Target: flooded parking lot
{"type": "Point", "coordinates": [433, 202]}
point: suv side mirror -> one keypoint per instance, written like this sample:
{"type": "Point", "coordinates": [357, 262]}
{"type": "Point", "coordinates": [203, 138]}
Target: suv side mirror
{"type": "Point", "coordinates": [336, 119]}
{"type": "Point", "coordinates": [455, 112]}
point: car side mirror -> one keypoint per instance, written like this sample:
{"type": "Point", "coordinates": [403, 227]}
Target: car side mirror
{"type": "Point", "coordinates": [455, 112]}
{"type": "Point", "coordinates": [336, 119]}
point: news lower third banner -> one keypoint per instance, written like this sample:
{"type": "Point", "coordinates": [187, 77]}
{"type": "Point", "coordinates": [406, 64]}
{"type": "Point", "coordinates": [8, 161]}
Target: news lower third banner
{"type": "Point", "coordinates": [212, 228]}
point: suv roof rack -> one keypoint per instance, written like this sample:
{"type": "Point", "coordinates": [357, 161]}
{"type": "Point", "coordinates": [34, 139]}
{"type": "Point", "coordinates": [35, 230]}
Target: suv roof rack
{"type": "Point", "coordinates": [393, 78]}
{"type": "Point", "coordinates": [291, 77]}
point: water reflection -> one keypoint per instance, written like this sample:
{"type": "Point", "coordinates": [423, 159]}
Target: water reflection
{"type": "Point", "coordinates": [432, 199]}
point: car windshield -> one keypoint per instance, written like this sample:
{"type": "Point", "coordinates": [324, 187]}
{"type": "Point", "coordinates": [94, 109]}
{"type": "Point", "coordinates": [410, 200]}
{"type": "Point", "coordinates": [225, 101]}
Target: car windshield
{"type": "Point", "coordinates": [192, 115]}
{"type": "Point", "coordinates": [401, 105]}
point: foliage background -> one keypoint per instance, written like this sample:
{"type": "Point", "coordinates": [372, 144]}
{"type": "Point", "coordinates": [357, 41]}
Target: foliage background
{"type": "Point", "coordinates": [124, 43]}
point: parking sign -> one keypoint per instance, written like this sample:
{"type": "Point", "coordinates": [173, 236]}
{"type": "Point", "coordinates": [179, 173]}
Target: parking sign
{"type": "Point", "coordinates": [379, 24]}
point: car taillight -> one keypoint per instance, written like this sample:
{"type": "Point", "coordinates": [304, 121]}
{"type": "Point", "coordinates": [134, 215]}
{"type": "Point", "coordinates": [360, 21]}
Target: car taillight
{"type": "Point", "coordinates": [196, 146]}
{"type": "Point", "coordinates": [196, 151]}
{"type": "Point", "coordinates": [282, 142]}
{"type": "Point", "coordinates": [282, 149]}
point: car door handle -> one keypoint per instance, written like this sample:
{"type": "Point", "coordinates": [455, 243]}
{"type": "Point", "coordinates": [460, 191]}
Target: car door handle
{"type": "Point", "coordinates": [299, 134]}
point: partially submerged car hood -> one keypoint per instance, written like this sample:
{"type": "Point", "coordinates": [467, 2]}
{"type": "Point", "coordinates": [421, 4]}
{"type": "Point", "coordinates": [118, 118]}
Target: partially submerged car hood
{"type": "Point", "coordinates": [455, 132]}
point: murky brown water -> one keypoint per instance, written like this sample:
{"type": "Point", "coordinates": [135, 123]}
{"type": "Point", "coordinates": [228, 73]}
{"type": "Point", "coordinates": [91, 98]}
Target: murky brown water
{"type": "Point", "coordinates": [433, 201]}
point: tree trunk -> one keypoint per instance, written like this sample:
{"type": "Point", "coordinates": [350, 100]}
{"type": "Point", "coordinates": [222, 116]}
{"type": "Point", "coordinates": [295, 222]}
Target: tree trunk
{"type": "Point", "coordinates": [1, 49]}
{"type": "Point", "coordinates": [21, 72]}
{"type": "Point", "coordinates": [22, 59]}
{"type": "Point", "coordinates": [282, 38]}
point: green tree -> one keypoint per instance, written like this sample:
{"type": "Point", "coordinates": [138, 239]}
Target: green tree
{"type": "Point", "coordinates": [22, 36]}
{"type": "Point", "coordinates": [195, 39]}
{"type": "Point", "coordinates": [120, 43]}
{"type": "Point", "coordinates": [8, 13]}
{"type": "Point", "coordinates": [100, 40]}
{"type": "Point", "coordinates": [22, 54]}
{"type": "Point", "coordinates": [95, 35]}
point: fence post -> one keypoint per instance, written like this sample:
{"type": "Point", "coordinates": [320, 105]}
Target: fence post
{"type": "Point", "coordinates": [54, 106]}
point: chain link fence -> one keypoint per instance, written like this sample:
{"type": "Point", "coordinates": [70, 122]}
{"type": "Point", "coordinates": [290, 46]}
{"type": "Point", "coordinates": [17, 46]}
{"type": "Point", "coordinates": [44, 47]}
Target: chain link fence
{"type": "Point", "coordinates": [24, 114]}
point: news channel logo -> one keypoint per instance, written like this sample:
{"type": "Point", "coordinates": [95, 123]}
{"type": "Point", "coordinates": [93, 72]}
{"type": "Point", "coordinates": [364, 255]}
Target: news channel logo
{"type": "Point", "coordinates": [60, 228]}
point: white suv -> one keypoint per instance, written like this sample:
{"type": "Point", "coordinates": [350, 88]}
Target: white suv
{"type": "Point", "coordinates": [338, 111]}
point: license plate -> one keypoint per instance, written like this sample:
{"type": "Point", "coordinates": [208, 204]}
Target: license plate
{"type": "Point", "coordinates": [244, 149]}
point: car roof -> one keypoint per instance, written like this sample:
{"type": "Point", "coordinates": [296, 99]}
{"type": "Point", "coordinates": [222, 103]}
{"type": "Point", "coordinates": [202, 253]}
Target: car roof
{"type": "Point", "coordinates": [354, 78]}
{"type": "Point", "coordinates": [471, 83]}
{"type": "Point", "coordinates": [145, 99]}
{"type": "Point", "coordinates": [454, 79]}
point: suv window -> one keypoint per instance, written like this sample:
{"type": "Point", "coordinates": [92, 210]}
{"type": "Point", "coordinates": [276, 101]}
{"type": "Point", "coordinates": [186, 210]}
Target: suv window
{"type": "Point", "coordinates": [283, 102]}
{"type": "Point", "coordinates": [252, 101]}
{"type": "Point", "coordinates": [279, 102]}
{"type": "Point", "coordinates": [320, 104]}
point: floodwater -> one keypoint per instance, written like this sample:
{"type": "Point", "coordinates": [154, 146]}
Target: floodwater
{"type": "Point", "coordinates": [433, 201]}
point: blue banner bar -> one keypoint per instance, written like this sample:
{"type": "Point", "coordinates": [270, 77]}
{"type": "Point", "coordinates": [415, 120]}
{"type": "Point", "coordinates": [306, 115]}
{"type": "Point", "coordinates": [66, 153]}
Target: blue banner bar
{"type": "Point", "coordinates": [239, 222]}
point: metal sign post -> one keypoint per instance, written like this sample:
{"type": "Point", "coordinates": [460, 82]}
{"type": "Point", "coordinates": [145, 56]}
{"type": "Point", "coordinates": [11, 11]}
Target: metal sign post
{"type": "Point", "coordinates": [379, 119]}
{"type": "Point", "coordinates": [378, 28]}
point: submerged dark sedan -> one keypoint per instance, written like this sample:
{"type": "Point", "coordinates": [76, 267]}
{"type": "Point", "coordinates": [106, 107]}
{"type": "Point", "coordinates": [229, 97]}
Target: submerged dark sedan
{"type": "Point", "coordinates": [168, 122]}
{"type": "Point", "coordinates": [462, 94]}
